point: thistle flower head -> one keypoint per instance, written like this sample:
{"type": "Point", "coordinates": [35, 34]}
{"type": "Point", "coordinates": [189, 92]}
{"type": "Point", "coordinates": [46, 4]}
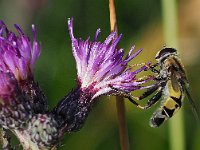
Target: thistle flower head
{"type": "Point", "coordinates": [17, 57]}
{"type": "Point", "coordinates": [101, 65]}
{"type": "Point", "coordinates": [17, 53]}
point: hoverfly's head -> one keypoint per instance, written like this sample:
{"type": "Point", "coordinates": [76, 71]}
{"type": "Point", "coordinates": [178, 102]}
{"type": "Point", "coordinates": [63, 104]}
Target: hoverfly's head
{"type": "Point", "coordinates": [165, 53]}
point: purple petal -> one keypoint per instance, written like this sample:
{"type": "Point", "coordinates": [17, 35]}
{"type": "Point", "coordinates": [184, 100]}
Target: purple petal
{"type": "Point", "coordinates": [97, 34]}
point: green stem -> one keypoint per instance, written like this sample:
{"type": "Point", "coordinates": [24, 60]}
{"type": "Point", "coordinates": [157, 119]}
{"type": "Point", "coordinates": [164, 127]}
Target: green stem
{"type": "Point", "coordinates": [176, 124]}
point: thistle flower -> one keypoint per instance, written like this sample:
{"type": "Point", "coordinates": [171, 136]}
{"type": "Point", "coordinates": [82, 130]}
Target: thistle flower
{"type": "Point", "coordinates": [101, 67]}
{"type": "Point", "coordinates": [18, 56]}
{"type": "Point", "coordinates": [23, 106]}
{"type": "Point", "coordinates": [20, 95]}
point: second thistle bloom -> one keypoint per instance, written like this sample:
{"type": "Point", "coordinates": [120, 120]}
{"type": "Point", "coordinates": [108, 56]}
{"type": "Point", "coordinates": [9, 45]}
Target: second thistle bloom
{"type": "Point", "coordinates": [18, 57]}
{"type": "Point", "coordinates": [19, 92]}
{"type": "Point", "coordinates": [101, 68]}
{"type": "Point", "coordinates": [23, 106]}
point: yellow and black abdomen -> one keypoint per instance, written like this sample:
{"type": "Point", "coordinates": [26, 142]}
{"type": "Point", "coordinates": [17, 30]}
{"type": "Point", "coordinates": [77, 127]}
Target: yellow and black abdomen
{"type": "Point", "coordinates": [171, 103]}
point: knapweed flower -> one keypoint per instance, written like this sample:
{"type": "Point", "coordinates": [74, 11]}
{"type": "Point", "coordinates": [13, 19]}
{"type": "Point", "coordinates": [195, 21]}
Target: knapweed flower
{"type": "Point", "coordinates": [17, 57]}
{"type": "Point", "coordinates": [23, 106]}
{"type": "Point", "coordinates": [20, 95]}
{"type": "Point", "coordinates": [101, 68]}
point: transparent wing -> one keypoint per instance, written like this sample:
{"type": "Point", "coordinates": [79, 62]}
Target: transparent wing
{"type": "Point", "coordinates": [194, 108]}
{"type": "Point", "coordinates": [174, 81]}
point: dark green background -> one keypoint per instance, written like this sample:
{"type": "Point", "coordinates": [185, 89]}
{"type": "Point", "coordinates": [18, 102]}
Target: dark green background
{"type": "Point", "coordinates": [56, 71]}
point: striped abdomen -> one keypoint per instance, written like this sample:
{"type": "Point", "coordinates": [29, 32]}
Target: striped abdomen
{"type": "Point", "coordinates": [171, 103]}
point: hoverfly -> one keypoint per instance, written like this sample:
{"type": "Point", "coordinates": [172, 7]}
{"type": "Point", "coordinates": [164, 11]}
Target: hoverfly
{"type": "Point", "coordinates": [171, 86]}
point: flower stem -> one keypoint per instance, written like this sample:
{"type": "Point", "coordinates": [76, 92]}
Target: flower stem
{"type": "Point", "coordinates": [113, 20]}
{"type": "Point", "coordinates": [123, 133]}
{"type": "Point", "coordinates": [176, 125]}
{"type": "Point", "coordinates": [124, 142]}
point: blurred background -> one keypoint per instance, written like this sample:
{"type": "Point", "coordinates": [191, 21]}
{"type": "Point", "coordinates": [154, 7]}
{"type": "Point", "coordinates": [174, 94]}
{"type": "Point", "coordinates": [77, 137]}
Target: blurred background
{"type": "Point", "coordinates": [141, 25]}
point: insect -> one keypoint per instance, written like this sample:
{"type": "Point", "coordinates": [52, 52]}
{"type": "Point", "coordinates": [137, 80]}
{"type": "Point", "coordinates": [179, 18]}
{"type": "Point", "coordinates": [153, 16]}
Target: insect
{"type": "Point", "coordinates": [171, 86]}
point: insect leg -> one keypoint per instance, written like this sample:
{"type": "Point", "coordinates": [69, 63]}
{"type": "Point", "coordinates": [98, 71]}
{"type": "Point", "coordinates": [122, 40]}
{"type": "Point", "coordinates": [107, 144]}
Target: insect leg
{"type": "Point", "coordinates": [127, 95]}
{"type": "Point", "coordinates": [152, 68]}
{"type": "Point", "coordinates": [136, 65]}
{"type": "Point", "coordinates": [150, 102]}
{"type": "Point", "coordinates": [154, 99]}
{"type": "Point", "coordinates": [148, 92]}
{"type": "Point", "coordinates": [145, 78]}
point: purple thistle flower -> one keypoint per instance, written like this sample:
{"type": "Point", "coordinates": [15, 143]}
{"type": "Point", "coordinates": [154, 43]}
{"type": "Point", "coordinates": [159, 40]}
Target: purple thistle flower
{"type": "Point", "coordinates": [101, 68]}
{"type": "Point", "coordinates": [18, 57]}
{"type": "Point", "coordinates": [20, 95]}
{"type": "Point", "coordinates": [100, 65]}
{"type": "Point", "coordinates": [18, 53]}
{"type": "Point", "coordinates": [23, 106]}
